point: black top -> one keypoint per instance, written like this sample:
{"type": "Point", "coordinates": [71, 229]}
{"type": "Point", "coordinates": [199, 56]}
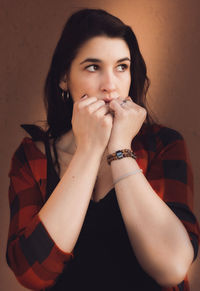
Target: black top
{"type": "Point", "coordinates": [103, 256]}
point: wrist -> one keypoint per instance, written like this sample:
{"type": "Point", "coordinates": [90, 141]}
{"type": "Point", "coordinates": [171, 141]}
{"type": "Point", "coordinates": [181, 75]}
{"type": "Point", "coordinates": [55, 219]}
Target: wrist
{"type": "Point", "coordinates": [114, 148]}
{"type": "Point", "coordinates": [89, 151]}
{"type": "Point", "coordinates": [118, 155]}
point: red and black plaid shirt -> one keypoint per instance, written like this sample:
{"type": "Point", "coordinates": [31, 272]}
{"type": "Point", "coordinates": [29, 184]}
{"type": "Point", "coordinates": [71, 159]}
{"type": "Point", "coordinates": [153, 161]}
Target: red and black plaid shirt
{"type": "Point", "coordinates": [32, 254]}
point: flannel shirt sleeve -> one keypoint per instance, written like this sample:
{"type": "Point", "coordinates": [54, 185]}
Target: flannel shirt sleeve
{"type": "Point", "coordinates": [170, 174]}
{"type": "Point", "coordinates": [32, 255]}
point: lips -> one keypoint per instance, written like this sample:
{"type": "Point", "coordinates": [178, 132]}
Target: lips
{"type": "Point", "coordinates": [108, 100]}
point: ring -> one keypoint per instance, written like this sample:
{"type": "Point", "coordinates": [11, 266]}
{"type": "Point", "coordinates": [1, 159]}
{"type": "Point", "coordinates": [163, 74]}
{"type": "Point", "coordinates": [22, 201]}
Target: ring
{"type": "Point", "coordinates": [123, 102]}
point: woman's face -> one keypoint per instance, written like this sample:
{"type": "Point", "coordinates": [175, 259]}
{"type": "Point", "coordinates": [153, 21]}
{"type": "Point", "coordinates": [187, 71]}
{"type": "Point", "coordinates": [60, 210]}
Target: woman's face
{"type": "Point", "coordinates": [101, 69]}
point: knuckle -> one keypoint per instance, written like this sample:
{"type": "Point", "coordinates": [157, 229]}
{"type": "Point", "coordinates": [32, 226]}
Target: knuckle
{"type": "Point", "coordinates": [140, 109]}
{"type": "Point", "coordinates": [102, 102]}
{"type": "Point", "coordinates": [143, 111]}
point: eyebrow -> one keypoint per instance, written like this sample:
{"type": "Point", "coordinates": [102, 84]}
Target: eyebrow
{"type": "Point", "coordinates": [93, 60]}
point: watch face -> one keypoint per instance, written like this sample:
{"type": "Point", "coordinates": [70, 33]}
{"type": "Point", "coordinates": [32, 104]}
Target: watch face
{"type": "Point", "coordinates": [119, 154]}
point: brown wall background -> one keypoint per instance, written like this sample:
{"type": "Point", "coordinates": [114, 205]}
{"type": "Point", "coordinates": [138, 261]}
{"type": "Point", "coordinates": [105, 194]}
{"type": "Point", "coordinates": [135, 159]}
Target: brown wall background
{"type": "Point", "coordinates": [169, 36]}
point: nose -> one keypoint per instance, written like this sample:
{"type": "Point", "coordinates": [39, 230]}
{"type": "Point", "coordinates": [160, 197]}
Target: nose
{"type": "Point", "coordinates": [108, 82]}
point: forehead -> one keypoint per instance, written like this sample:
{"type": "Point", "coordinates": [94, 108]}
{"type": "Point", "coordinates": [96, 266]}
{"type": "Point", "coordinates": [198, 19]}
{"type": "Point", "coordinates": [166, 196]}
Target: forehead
{"type": "Point", "coordinates": [103, 47]}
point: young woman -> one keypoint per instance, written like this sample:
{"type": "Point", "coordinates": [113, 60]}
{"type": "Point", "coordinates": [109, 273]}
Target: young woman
{"type": "Point", "coordinates": [101, 199]}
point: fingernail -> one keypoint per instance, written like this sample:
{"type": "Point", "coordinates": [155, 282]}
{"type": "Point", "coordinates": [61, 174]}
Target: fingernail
{"type": "Point", "coordinates": [84, 96]}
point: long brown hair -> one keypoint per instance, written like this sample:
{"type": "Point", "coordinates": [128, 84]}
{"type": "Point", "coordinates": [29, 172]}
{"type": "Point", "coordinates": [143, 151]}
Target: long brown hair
{"type": "Point", "coordinates": [80, 27]}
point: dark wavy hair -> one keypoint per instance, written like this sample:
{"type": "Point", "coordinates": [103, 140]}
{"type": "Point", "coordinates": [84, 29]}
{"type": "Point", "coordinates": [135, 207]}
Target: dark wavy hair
{"type": "Point", "coordinates": [80, 27]}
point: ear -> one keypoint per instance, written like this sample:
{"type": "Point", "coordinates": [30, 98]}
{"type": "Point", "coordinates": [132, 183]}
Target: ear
{"type": "Point", "coordinates": [63, 83]}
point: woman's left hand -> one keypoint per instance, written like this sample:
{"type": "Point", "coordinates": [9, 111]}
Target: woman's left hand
{"type": "Point", "coordinates": [128, 119]}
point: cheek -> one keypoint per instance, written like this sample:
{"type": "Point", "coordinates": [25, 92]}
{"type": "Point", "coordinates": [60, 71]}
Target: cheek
{"type": "Point", "coordinates": [86, 84]}
{"type": "Point", "coordinates": [127, 88]}
{"type": "Point", "coordinates": [79, 86]}
{"type": "Point", "coordinates": [127, 82]}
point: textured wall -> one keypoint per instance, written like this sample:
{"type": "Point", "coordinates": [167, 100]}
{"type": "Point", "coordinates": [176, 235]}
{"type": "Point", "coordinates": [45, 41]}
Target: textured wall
{"type": "Point", "coordinates": [169, 37]}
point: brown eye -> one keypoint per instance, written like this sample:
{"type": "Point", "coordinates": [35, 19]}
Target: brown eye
{"type": "Point", "coordinates": [92, 68]}
{"type": "Point", "coordinates": [122, 67]}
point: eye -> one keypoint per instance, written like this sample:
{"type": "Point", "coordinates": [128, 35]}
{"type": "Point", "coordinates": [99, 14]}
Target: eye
{"type": "Point", "coordinates": [122, 67]}
{"type": "Point", "coordinates": [92, 68]}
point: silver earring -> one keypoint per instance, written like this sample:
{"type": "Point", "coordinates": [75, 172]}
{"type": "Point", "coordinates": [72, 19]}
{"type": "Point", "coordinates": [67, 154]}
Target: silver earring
{"type": "Point", "coordinates": [65, 95]}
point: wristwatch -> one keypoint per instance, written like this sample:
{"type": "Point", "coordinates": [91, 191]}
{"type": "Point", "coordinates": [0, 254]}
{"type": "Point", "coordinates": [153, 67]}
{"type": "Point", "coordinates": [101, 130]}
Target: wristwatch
{"type": "Point", "coordinates": [120, 154]}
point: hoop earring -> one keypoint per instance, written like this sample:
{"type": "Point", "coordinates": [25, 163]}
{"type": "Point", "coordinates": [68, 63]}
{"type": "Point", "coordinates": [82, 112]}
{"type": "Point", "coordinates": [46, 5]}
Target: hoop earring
{"type": "Point", "coordinates": [65, 95]}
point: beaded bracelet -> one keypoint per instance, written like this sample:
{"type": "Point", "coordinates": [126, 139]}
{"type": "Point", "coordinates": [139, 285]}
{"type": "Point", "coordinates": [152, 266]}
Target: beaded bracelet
{"type": "Point", "coordinates": [120, 154]}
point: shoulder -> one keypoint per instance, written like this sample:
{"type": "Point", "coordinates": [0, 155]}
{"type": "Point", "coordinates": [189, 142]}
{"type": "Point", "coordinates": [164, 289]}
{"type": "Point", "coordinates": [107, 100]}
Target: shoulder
{"type": "Point", "coordinates": [34, 149]}
{"type": "Point", "coordinates": [160, 133]}
{"type": "Point", "coordinates": [163, 132]}
{"type": "Point", "coordinates": [37, 138]}
{"type": "Point", "coordinates": [167, 135]}
{"type": "Point", "coordinates": [156, 138]}
{"type": "Point", "coordinates": [40, 146]}
{"type": "Point", "coordinates": [33, 142]}
{"type": "Point", "coordinates": [26, 155]}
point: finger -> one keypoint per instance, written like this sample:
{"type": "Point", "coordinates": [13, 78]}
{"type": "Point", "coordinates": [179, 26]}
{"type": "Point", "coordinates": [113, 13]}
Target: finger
{"type": "Point", "coordinates": [128, 98]}
{"type": "Point", "coordinates": [85, 101]}
{"type": "Point", "coordinates": [103, 110]}
{"type": "Point", "coordinates": [122, 101]}
{"type": "Point", "coordinates": [109, 117]}
{"type": "Point", "coordinates": [126, 102]}
{"type": "Point", "coordinates": [116, 107]}
{"type": "Point", "coordinates": [84, 96]}
{"type": "Point", "coordinates": [96, 105]}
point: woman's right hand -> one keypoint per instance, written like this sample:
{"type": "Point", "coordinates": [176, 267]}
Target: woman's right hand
{"type": "Point", "coordinates": [91, 123]}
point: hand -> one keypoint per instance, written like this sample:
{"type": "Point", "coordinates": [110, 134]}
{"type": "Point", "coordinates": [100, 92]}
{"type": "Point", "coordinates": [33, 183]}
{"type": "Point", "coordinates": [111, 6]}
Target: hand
{"type": "Point", "coordinates": [91, 123]}
{"type": "Point", "coordinates": [128, 119]}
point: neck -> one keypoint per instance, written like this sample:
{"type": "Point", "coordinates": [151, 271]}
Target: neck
{"type": "Point", "coordinates": [67, 143]}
